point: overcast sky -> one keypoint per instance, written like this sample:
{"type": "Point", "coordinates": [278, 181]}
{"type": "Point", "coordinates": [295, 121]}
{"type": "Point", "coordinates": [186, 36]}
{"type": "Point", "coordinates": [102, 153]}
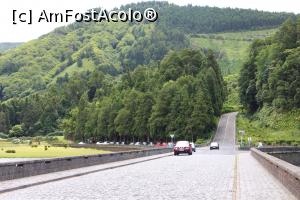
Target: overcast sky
{"type": "Point", "coordinates": [24, 32]}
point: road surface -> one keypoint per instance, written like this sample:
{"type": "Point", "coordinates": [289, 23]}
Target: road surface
{"type": "Point", "coordinates": [223, 174]}
{"type": "Point", "coordinates": [225, 134]}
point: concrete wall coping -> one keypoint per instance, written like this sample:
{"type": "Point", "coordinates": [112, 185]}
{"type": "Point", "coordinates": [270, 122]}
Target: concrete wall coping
{"type": "Point", "coordinates": [280, 149]}
{"type": "Point", "coordinates": [43, 160]}
{"type": "Point", "coordinates": [286, 173]}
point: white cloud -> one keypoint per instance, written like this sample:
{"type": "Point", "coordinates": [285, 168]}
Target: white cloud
{"type": "Point", "coordinates": [24, 32]}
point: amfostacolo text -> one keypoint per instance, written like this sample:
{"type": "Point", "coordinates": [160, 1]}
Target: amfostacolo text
{"type": "Point", "coordinates": [93, 15]}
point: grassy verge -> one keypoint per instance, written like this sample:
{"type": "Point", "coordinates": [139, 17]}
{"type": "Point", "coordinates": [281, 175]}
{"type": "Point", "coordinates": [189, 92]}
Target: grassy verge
{"type": "Point", "coordinates": [62, 140]}
{"type": "Point", "coordinates": [43, 150]}
{"type": "Point", "coordinates": [271, 127]}
{"type": "Point", "coordinates": [40, 152]}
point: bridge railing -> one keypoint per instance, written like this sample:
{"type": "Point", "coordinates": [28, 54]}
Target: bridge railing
{"type": "Point", "coordinates": [286, 173]}
{"type": "Point", "coordinates": [13, 170]}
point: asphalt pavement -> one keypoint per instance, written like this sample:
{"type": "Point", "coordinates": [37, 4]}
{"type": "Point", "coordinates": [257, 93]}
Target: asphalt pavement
{"type": "Point", "coordinates": [225, 134]}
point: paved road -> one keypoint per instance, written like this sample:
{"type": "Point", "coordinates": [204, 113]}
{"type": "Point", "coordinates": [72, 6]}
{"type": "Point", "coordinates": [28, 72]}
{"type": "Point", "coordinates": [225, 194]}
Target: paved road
{"type": "Point", "coordinates": [225, 134]}
{"type": "Point", "coordinates": [223, 174]}
{"type": "Point", "coordinates": [175, 177]}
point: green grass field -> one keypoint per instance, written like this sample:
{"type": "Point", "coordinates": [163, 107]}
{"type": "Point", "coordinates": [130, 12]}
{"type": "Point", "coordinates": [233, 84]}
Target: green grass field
{"type": "Point", "coordinates": [247, 35]}
{"type": "Point", "coordinates": [23, 151]}
{"type": "Point", "coordinates": [232, 46]}
{"type": "Point", "coordinates": [27, 151]}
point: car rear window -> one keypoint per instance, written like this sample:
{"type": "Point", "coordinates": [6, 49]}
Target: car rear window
{"type": "Point", "coordinates": [182, 143]}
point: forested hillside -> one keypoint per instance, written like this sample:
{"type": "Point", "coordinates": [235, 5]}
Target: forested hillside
{"type": "Point", "coordinates": [108, 47]}
{"type": "Point", "coordinates": [270, 88]}
{"type": "Point", "coordinates": [121, 80]}
{"type": "Point", "coordinates": [271, 75]}
{"type": "Point", "coordinates": [114, 47]}
{"type": "Point", "coordinates": [182, 95]}
{"type": "Point", "coordinates": [197, 19]}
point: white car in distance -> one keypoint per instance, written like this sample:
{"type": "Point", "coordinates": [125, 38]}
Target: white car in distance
{"type": "Point", "coordinates": [214, 145]}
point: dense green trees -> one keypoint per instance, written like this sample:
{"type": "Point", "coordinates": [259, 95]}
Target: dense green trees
{"type": "Point", "coordinates": [197, 19]}
{"type": "Point", "coordinates": [185, 104]}
{"type": "Point", "coordinates": [271, 76]}
{"type": "Point", "coordinates": [145, 104]}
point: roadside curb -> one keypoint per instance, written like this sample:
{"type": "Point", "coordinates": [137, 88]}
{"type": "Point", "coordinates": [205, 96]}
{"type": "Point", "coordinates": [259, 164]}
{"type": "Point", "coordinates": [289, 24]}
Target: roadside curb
{"type": "Point", "coordinates": [82, 173]}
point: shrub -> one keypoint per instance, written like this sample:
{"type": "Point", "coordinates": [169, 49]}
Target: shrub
{"type": "Point", "coordinates": [16, 141]}
{"type": "Point", "coordinates": [295, 144]}
{"type": "Point", "coordinates": [56, 133]}
{"type": "Point", "coordinates": [200, 141]}
{"type": "Point", "coordinates": [34, 145]}
{"type": "Point", "coordinates": [38, 139]}
{"type": "Point", "coordinates": [10, 151]}
{"type": "Point", "coordinates": [3, 135]}
{"type": "Point", "coordinates": [50, 139]}
{"type": "Point", "coordinates": [16, 131]}
{"type": "Point", "coordinates": [46, 148]}
{"type": "Point", "coordinates": [25, 138]}
{"type": "Point", "coordinates": [227, 109]}
{"type": "Point", "coordinates": [280, 103]}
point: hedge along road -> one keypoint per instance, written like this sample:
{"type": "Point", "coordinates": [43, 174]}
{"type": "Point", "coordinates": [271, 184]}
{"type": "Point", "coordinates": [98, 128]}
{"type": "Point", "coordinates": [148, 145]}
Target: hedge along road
{"type": "Point", "coordinates": [223, 174]}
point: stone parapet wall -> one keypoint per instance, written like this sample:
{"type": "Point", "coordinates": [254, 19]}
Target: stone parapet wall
{"type": "Point", "coordinates": [14, 170]}
{"type": "Point", "coordinates": [286, 173]}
